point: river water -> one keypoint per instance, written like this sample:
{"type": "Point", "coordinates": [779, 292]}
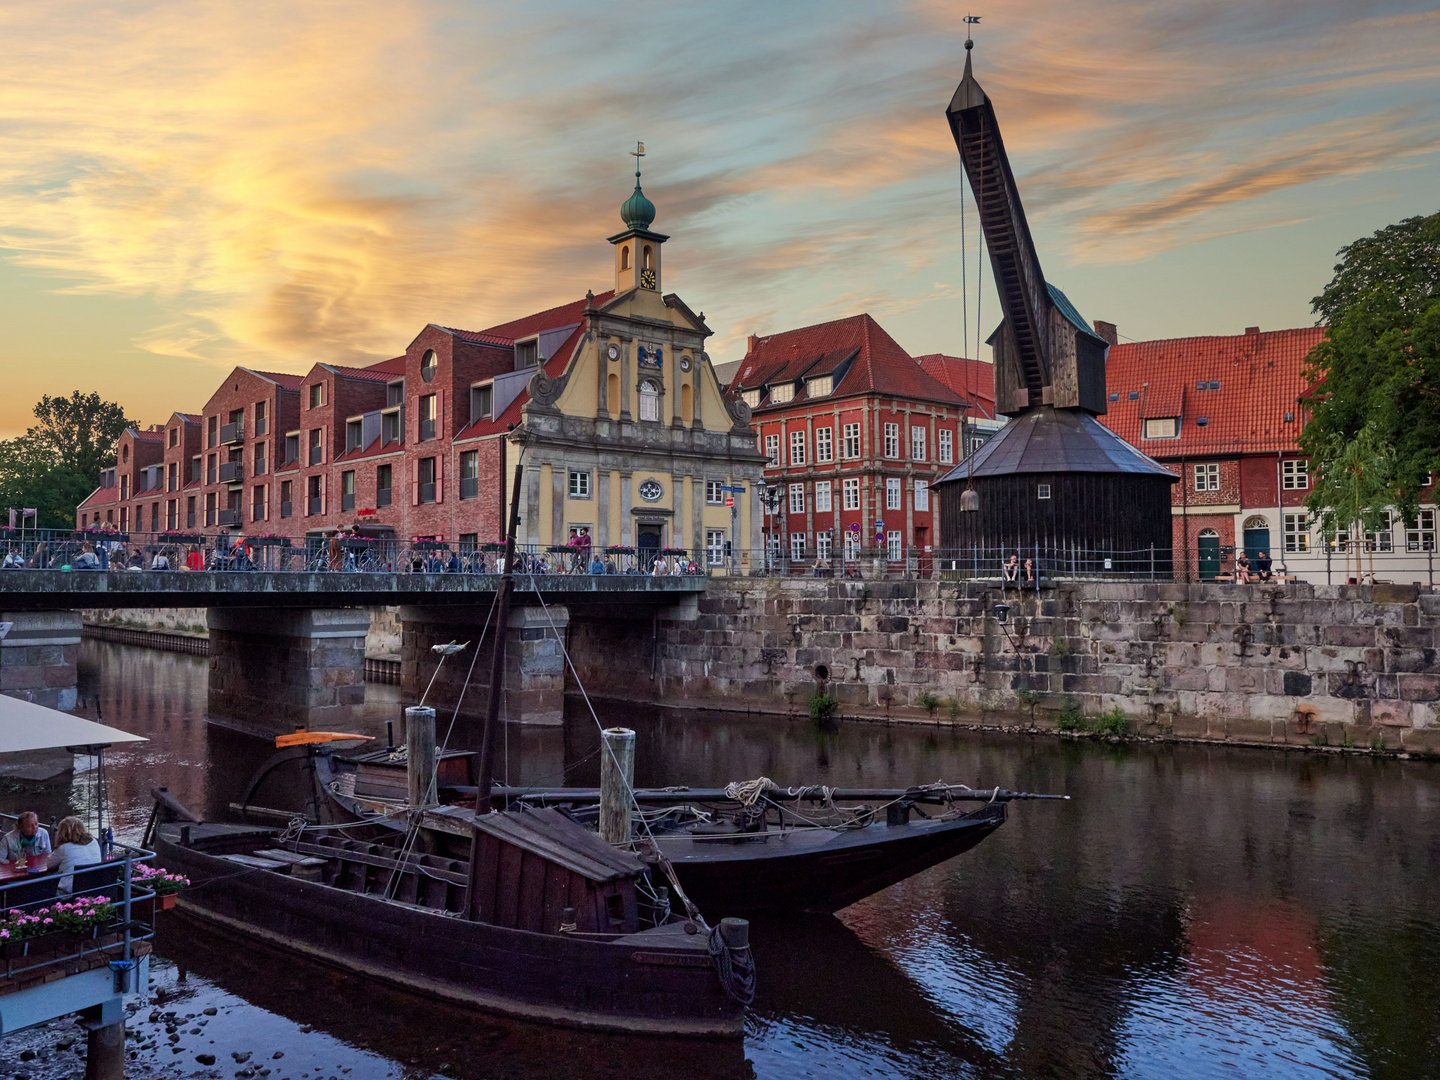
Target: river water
{"type": "Point", "coordinates": [1194, 911]}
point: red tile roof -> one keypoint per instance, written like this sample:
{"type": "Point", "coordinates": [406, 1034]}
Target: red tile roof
{"type": "Point", "coordinates": [148, 436]}
{"type": "Point", "coordinates": [554, 367]}
{"type": "Point", "coordinates": [554, 317]}
{"type": "Point", "coordinates": [189, 418]}
{"type": "Point", "coordinates": [101, 496]}
{"type": "Point", "coordinates": [973, 380]}
{"type": "Point", "coordinates": [479, 337]}
{"type": "Point", "coordinates": [1261, 376]}
{"type": "Point", "coordinates": [365, 374]}
{"type": "Point", "coordinates": [290, 382]}
{"type": "Point", "coordinates": [880, 365]}
{"type": "Point", "coordinates": [394, 366]}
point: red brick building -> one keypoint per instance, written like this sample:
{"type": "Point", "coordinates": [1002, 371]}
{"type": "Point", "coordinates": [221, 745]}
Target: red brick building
{"type": "Point", "coordinates": [1225, 414]}
{"type": "Point", "coordinates": [610, 401]}
{"type": "Point", "coordinates": [853, 430]}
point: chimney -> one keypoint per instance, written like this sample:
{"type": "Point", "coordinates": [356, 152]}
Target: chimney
{"type": "Point", "coordinates": [1107, 331]}
{"type": "Point", "coordinates": [1251, 330]}
{"type": "Point", "coordinates": [752, 344]}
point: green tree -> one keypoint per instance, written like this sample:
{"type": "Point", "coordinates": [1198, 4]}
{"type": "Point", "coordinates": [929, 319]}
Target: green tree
{"type": "Point", "coordinates": [1353, 490]}
{"type": "Point", "coordinates": [57, 463]}
{"type": "Point", "coordinates": [1379, 366]}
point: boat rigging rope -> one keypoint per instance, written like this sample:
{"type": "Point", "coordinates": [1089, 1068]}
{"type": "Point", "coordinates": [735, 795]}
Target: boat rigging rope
{"type": "Point", "coordinates": [736, 968]}
{"type": "Point", "coordinates": [749, 792]}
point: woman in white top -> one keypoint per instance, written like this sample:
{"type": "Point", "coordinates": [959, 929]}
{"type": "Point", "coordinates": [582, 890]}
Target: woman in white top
{"type": "Point", "coordinates": [74, 848]}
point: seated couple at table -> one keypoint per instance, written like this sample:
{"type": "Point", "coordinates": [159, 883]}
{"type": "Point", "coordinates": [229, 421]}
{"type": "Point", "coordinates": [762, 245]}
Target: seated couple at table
{"type": "Point", "coordinates": [74, 846]}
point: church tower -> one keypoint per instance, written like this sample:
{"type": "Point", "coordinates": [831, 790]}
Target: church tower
{"type": "Point", "coordinates": [637, 249]}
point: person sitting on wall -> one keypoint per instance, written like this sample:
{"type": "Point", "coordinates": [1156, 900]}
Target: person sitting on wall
{"type": "Point", "coordinates": [1010, 569]}
{"type": "Point", "coordinates": [136, 560]}
{"type": "Point", "coordinates": [26, 839]}
{"type": "Point", "coordinates": [161, 561]}
{"type": "Point", "coordinates": [102, 555]}
{"type": "Point", "coordinates": [12, 561]}
{"type": "Point", "coordinates": [1242, 569]}
{"type": "Point", "coordinates": [1029, 572]}
{"type": "Point", "coordinates": [87, 560]}
{"type": "Point", "coordinates": [610, 566]}
{"type": "Point", "coordinates": [194, 560]}
{"type": "Point", "coordinates": [596, 566]}
{"type": "Point", "coordinates": [1264, 568]}
{"type": "Point", "coordinates": [74, 848]}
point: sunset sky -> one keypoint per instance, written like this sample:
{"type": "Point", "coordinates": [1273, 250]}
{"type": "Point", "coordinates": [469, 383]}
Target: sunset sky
{"type": "Point", "coordinates": [189, 186]}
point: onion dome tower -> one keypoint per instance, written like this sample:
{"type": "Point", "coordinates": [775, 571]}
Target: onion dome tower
{"type": "Point", "coordinates": [637, 249]}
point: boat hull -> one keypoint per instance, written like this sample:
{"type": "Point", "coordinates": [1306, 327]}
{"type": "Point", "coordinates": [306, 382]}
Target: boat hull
{"type": "Point", "coordinates": [661, 984]}
{"type": "Point", "coordinates": [817, 870]}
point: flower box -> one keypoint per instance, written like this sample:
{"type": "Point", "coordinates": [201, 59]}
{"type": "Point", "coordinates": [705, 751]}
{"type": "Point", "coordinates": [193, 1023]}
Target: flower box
{"type": "Point", "coordinates": [180, 538]}
{"type": "Point", "coordinates": [268, 541]}
{"type": "Point", "coordinates": [619, 550]}
{"type": "Point", "coordinates": [430, 545]}
{"type": "Point", "coordinates": [164, 901]}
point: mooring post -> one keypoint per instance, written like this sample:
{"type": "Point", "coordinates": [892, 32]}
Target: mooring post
{"type": "Point", "coordinates": [420, 754]}
{"type": "Point", "coordinates": [104, 1041]}
{"type": "Point", "coordinates": [617, 777]}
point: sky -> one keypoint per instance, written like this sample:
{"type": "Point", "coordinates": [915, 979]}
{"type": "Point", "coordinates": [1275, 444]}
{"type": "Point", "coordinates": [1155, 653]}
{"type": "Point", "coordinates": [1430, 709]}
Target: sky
{"type": "Point", "coordinates": [185, 187]}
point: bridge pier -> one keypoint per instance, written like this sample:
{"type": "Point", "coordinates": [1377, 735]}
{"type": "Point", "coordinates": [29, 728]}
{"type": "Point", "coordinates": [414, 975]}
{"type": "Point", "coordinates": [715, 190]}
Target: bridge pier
{"type": "Point", "coordinates": [275, 669]}
{"type": "Point", "coordinates": [38, 656]}
{"type": "Point", "coordinates": [534, 661]}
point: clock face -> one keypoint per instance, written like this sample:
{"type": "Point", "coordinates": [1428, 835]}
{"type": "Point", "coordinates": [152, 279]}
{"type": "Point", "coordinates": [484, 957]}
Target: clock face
{"type": "Point", "coordinates": [647, 279]}
{"type": "Point", "coordinates": [613, 352]}
{"type": "Point", "coordinates": [650, 491]}
{"type": "Point", "coordinates": [684, 363]}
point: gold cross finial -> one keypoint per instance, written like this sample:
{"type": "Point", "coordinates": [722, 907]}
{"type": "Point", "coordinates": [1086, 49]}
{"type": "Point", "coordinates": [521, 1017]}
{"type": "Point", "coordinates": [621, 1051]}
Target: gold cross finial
{"type": "Point", "coordinates": [637, 154]}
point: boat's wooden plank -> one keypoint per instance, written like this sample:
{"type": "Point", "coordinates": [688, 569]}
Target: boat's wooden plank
{"type": "Point", "coordinates": [507, 886]}
{"type": "Point", "coordinates": [484, 872]}
{"type": "Point", "coordinates": [532, 892]}
{"type": "Point", "coordinates": [294, 858]}
{"type": "Point", "coordinates": [552, 835]}
{"type": "Point", "coordinates": [257, 864]}
{"type": "Point", "coordinates": [368, 858]}
{"type": "Point", "coordinates": [557, 896]}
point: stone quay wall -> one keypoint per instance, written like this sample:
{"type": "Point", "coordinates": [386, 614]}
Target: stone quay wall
{"type": "Point", "coordinates": [1291, 664]}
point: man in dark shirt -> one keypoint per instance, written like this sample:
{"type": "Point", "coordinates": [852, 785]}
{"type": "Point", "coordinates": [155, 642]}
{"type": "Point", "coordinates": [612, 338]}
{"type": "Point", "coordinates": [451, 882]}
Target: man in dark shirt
{"type": "Point", "coordinates": [1263, 566]}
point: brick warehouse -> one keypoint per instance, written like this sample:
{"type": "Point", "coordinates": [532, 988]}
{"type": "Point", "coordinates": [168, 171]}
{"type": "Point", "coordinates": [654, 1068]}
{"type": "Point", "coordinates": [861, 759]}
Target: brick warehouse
{"type": "Point", "coordinates": [1225, 414]}
{"type": "Point", "coordinates": [610, 400]}
{"type": "Point", "coordinates": [854, 430]}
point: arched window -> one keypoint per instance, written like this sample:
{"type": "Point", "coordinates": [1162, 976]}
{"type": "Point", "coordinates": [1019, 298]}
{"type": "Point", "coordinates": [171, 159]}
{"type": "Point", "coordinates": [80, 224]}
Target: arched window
{"type": "Point", "coordinates": [124, 454]}
{"type": "Point", "coordinates": [649, 264]}
{"type": "Point", "coordinates": [687, 404]}
{"type": "Point", "coordinates": [612, 394]}
{"type": "Point", "coordinates": [625, 257]}
{"type": "Point", "coordinates": [649, 401]}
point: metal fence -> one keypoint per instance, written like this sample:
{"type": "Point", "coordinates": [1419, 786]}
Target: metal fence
{"type": "Point", "coordinates": [100, 551]}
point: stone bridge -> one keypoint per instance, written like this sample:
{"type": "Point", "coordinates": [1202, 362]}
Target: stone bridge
{"type": "Point", "coordinates": [288, 649]}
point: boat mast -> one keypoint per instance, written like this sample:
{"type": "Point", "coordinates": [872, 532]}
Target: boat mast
{"type": "Point", "coordinates": [497, 657]}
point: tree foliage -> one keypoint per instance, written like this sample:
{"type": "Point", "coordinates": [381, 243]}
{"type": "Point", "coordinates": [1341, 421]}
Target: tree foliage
{"type": "Point", "coordinates": [1379, 366]}
{"type": "Point", "coordinates": [58, 461]}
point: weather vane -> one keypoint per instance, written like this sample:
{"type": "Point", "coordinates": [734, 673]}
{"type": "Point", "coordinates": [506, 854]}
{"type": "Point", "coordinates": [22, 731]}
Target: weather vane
{"type": "Point", "coordinates": [970, 20]}
{"type": "Point", "coordinates": [637, 154]}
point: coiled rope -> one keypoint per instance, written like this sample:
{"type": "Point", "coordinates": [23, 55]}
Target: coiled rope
{"type": "Point", "coordinates": [736, 968]}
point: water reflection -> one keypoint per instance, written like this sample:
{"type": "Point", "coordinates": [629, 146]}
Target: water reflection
{"type": "Point", "coordinates": [1195, 911]}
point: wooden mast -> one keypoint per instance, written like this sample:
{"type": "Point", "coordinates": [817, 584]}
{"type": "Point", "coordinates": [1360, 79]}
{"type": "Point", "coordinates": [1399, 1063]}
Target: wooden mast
{"type": "Point", "coordinates": [497, 657]}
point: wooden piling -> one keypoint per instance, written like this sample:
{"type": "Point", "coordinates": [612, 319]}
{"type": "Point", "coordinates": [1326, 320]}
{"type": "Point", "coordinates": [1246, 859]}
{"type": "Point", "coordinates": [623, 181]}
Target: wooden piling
{"type": "Point", "coordinates": [617, 777]}
{"type": "Point", "coordinates": [420, 754]}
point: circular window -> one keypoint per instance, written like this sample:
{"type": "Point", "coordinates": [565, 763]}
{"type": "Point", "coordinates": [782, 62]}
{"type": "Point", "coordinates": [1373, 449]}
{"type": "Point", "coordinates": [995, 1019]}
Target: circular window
{"type": "Point", "coordinates": [428, 364]}
{"type": "Point", "coordinates": [651, 491]}
{"type": "Point", "coordinates": [684, 363]}
{"type": "Point", "coordinates": [613, 352]}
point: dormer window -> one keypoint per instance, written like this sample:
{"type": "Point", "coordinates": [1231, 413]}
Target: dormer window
{"type": "Point", "coordinates": [751, 398]}
{"type": "Point", "coordinates": [429, 364]}
{"type": "Point", "coordinates": [395, 393]}
{"type": "Point", "coordinates": [1166, 427]}
{"type": "Point", "coordinates": [820, 386]}
{"type": "Point", "coordinates": [527, 354]}
{"type": "Point", "coordinates": [482, 399]}
{"type": "Point", "coordinates": [781, 393]}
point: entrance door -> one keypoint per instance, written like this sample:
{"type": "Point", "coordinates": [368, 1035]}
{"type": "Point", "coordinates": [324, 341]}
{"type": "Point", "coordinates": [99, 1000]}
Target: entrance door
{"type": "Point", "coordinates": [647, 545]}
{"type": "Point", "coordinates": [1257, 537]}
{"type": "Point", "coordinates": [1209, 555]}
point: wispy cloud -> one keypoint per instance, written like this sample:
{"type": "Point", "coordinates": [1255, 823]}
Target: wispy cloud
{"type": "Point", "coordinates": [289, 183]}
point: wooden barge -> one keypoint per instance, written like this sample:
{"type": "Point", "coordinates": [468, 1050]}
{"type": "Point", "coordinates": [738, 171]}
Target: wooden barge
{"type": "Point", "coordinates": [519, 913]}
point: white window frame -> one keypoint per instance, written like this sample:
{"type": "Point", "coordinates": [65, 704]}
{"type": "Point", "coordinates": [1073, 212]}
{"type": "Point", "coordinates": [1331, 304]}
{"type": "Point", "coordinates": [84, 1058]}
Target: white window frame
{"type": "Point", "coordinates": [892, 440]}
{"type": "Point", "coordinates": [1295, 474]}
{"type": "Point", "coordinates": [824, 445]}
{"type": "Point", "coordinates": [851, 547]}
{"type": "Point", "coordinates": [894, 545]}
{"type": "Point", "coordinates": [649, 394]}
{"type": "Point", "coordinates": [797, 546]}
{"type": "Point", "coordinates": [797, 447]}
{"type": "Point", "coordinates": [1297, 532]}
{"type": "Point", "coordinates": [850, 443]}
{"type": "Point", "coordinates": [976, 442]}
{"type": "Point", "coordinates": [850, 494]}
{"type": "Point", "coordinates": [1422, 537]}
{"type": "Point", "coordinates": [1382, 541]}
{"type": "Point", "coordinates": [917, 443]}
{"type": "Point", "coordinates": [1163, 427]}
{"type": "Point", "coordinates": [823, 544]}
{"type": "Point", "coordinates": [782, 393]}
{"type": "Point", "coordinates": [772, 451]}
{"type": "Point", "coordinates": [714, 495]}
{"type": "Point", "coordinates": [822, 497]}
{"type": "Point", "coordinates": [715, 547]}
{"type": "Point", "coordinates": [894, 497]}
{"type": "Point", "coordinates": [751, 398]}
{"type": "Point", "coordinates": [922, 495]}
{"type": "Point", "coordinates": [1207, 477]}
{"type": "Point", "coordinates": [772, 545]}
{"type": "Point", "coordinates": [797, 498]}
{"type": "Point", "coordinates": [947, 446]}
{"type": "Point", "coordinates": [578, 484]}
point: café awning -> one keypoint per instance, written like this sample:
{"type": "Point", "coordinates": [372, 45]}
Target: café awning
{"type": "Point", "coordinates": [25, 725]}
